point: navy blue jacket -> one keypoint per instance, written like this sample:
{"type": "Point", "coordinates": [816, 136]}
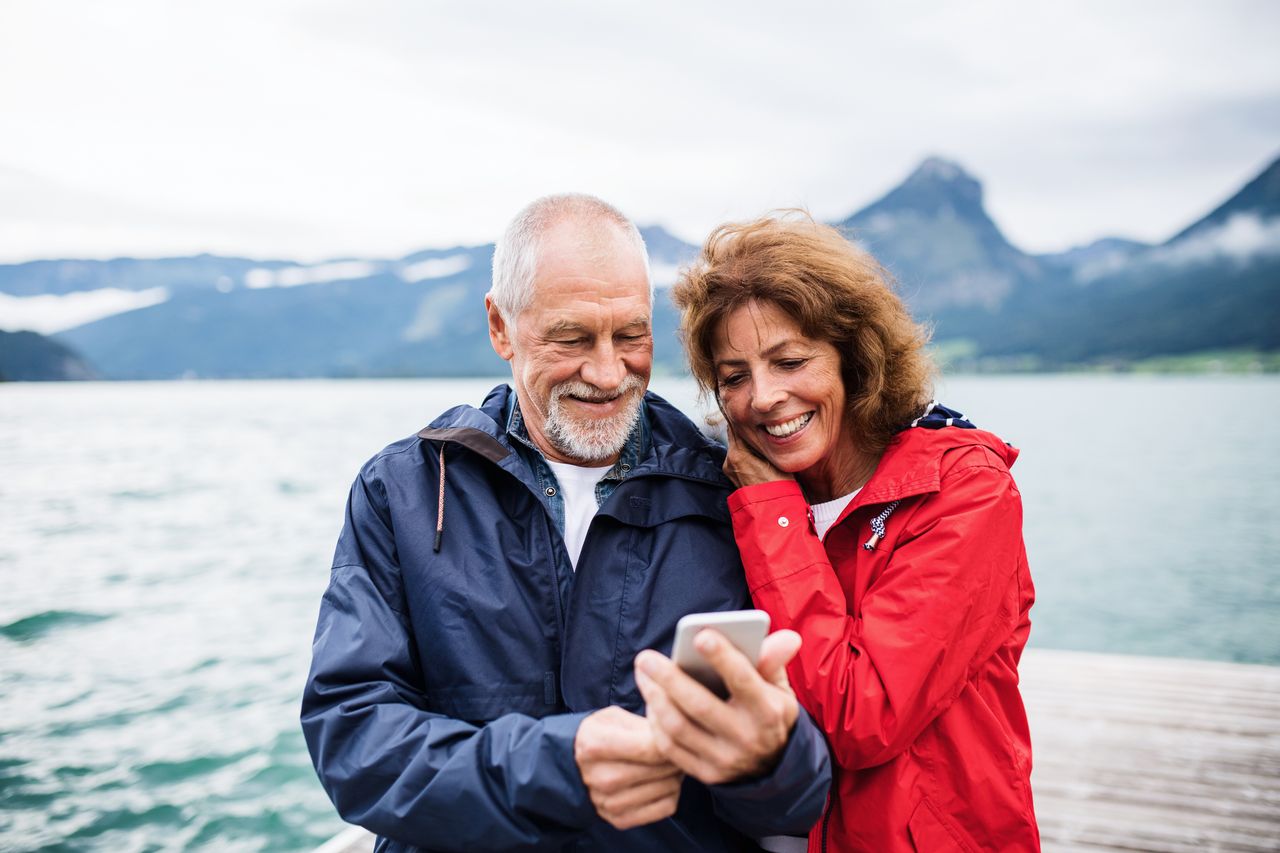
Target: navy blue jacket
{"type": "Point", "coordinates": [446, 687]}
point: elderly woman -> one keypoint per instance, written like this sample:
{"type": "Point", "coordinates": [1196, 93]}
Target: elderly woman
{"type": "Point", "coordinates": [884, 529]}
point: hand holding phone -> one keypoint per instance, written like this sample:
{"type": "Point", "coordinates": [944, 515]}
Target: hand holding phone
{"type": "Point", "coordinates": [714, 740]}
{"type": "Point", "coordinates": [745, 629]}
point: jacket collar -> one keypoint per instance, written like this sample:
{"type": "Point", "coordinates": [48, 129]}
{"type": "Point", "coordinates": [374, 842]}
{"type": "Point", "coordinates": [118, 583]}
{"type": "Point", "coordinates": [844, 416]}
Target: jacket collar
{"type": "Point", "coordinates": [912, 463]}
{"type": "Point", "coordinates": [676, 448]}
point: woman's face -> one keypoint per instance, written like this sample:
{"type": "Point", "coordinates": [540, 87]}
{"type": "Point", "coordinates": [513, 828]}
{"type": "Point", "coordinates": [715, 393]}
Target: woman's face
{"type": "Point", "coordinates": [783, 394]}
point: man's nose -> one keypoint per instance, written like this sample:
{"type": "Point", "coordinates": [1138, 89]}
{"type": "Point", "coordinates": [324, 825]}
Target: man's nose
{"type": "Point", "coordinates": [604, 367]}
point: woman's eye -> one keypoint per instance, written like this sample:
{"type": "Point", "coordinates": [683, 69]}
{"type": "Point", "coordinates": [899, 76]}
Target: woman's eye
{"type": "Point", "coordinates": [792, 363]}
{"type": "Point", "coordinates": [732, 380]}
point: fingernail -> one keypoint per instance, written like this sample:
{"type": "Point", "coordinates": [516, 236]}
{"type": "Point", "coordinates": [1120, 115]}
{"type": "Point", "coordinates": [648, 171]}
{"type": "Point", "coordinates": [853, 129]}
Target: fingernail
{"type": "Point", "coordinates": [645, 662]}
{"type": "Point", "coordinates": [705, 641]}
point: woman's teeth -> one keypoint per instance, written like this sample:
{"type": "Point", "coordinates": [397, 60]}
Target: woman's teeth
{"type": "Point", "coordinates": [785, 429]}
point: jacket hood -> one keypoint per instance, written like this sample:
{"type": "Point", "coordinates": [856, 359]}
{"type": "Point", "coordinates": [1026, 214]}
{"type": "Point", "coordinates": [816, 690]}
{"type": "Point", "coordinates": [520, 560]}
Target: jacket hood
{"type": "Point", "coordinates": [912, 463]}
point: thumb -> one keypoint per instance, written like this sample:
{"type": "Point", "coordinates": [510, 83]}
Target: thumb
{"type": "Point", "coordinates": [776, 652]}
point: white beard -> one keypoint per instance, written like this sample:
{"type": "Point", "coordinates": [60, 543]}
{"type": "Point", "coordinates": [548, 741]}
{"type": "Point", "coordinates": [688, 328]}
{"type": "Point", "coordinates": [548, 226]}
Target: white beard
{"type": "Point", "coordinates": [598, 438]}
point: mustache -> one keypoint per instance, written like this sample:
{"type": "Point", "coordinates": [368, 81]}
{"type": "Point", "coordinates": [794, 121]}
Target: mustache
{"type": "Point", "coordinates": [592, 394]}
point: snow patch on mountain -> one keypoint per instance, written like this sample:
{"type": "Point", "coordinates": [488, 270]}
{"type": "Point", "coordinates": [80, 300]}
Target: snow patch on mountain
{"type": "Point", "coordinates": [435, 268]}
{"type": "Point", "coordinates": [315, 274]}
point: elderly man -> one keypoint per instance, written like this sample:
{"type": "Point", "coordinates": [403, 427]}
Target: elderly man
{"type": "Point", "coordinates": [473, 682]}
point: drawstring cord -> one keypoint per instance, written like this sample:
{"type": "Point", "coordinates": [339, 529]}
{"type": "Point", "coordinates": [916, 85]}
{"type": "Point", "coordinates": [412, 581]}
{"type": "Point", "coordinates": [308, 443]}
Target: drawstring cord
{"type": "Point", "coordinates": [877, 526]}
{"type": "Point", "coordinates": [440, 504]}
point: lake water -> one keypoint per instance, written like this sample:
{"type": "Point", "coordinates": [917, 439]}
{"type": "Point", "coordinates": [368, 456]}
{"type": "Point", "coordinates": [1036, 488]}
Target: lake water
{"type": "Point", "coordinates": [164, 546]}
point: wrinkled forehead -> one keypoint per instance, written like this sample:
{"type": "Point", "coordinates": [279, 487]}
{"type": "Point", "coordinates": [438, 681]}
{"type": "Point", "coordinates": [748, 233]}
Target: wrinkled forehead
{"type": "Point", "coordinates": [594, 240]}
{"type": "Point", "coordinates": [585, 262]}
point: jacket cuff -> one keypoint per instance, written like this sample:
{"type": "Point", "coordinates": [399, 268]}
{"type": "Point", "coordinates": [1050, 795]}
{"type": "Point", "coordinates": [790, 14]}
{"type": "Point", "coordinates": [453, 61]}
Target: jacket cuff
{"type": "Point", "coordinates": [560, 731]}
{"type": "Point", "coordinates": [789, 799]}
{"type": "Point", "coordinates": [748, 495]}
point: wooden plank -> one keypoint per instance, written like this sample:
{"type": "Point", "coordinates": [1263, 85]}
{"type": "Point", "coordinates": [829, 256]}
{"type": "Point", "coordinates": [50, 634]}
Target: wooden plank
{"type": "Point", "coordinates": [1159, 755]}
{"type": "Point", "coordinates": [1153, 754]}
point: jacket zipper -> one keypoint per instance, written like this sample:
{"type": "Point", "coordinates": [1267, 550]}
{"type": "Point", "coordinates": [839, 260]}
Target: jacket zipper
{"type": "Point", "coordinates": [826, 819]}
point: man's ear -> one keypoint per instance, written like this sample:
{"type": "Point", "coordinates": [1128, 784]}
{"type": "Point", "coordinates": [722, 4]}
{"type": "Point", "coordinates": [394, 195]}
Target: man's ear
{"type": "Point", "coordinates": [499, 334]}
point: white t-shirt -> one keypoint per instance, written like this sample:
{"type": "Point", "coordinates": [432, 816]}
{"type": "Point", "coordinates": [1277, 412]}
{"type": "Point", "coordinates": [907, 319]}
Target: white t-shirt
{"type": "Point", "coordinates": [578, 490]}
{"type": "Point", "coordinates": [826, 513]}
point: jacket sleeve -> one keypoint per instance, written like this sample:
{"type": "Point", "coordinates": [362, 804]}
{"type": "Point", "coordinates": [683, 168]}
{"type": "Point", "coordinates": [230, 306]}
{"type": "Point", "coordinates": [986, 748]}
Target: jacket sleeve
{"type": "Point", "coordinates": [941, 606]}
{"type": "Point", "coordinates": [397, 769]}
{"type": "Point", "coordinates": [787, 801]}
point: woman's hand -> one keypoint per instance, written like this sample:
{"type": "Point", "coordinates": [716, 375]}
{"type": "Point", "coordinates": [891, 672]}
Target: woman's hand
{"type": "Point", "coordinates": [746, 466]}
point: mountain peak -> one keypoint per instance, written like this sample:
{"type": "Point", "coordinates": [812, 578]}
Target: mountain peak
{"type": "Point", "coordinates": [944, 246]}
{"type": "Point", "coordinates": [939, 178]}
{"type": "Point", "coordinates": [939, 169]}
{"type": "Point", "coordinates": [936, 187]}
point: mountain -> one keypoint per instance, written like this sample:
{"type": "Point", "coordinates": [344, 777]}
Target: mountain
{"type": "Point", "coordinates": [419, 315]}
{"type": "Point", "coordinates": [935, 236]}
{"type": "Point", "coordinates": [1213, 285]}
{"type": "Point", "coordinates": [1259, 199]}
{"type": "Point", "coordinates": [176, 274]}
{"type": "Point", "coordinates": [30, 357]}
{"type": "Point", "coordinates": [1084, 264]}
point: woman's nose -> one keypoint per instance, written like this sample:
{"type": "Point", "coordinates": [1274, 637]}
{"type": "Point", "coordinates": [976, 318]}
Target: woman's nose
{"type": "Point", "coordinates": [765, 395]}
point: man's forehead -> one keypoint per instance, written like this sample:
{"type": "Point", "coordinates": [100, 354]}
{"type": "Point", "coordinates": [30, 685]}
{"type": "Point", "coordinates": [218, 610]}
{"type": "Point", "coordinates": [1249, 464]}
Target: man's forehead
{"type": "Point", "coordinates": [600, 246]}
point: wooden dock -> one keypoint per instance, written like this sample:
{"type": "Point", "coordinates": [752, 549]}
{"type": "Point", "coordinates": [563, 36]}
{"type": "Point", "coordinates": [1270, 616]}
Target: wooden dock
{"type": "Point", "coordinates": [1138, 754]}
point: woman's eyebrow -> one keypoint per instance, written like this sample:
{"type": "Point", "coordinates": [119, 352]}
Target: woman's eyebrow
{"type": "Point", "coordinates": [773, 350]}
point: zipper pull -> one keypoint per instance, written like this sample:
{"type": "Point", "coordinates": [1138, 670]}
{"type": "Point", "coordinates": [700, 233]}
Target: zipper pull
{"type": "Point", "coordinates": [877, 526]}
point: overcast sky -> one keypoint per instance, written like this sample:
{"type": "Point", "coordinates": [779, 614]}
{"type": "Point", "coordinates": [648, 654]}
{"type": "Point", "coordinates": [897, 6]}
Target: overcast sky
{"type": "Point", "coordinates": [308, 130]}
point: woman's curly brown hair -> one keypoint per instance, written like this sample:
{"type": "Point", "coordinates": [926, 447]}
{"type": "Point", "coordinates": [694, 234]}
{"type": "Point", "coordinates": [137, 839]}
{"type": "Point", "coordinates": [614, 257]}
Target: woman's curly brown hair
{"type": "Point", "coordinates": [835, 291]}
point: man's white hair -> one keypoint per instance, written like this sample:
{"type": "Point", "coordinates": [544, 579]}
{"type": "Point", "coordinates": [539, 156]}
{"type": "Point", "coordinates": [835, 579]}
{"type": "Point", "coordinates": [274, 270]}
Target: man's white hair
{"type": "Point", "coordinates": [515, 257]}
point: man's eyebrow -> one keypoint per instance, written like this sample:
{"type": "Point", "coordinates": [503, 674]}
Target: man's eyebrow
{"type": "Point", "coordinates": [564, 327]}
{"type": "Point", "coordinates": [637, 322]}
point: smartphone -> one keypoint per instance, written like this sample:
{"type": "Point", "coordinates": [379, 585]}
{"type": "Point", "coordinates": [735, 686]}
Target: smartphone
{"type": "Point", "coordinates": [745, 629]}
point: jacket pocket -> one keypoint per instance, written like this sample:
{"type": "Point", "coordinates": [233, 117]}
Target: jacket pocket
{"type": "Point", "coordinates": [933, 832]}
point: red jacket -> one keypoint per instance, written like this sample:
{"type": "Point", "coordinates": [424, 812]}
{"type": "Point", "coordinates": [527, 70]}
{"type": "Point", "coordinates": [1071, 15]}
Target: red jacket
{"type": "Point", "coordinates": [911, 648]}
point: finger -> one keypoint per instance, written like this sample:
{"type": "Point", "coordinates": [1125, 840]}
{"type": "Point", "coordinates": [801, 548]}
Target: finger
{"type": "Point", "coordinates": [615, 734]}
{"type": "Point", "coordinates": [690, 697]}
{"type": "Point", "coordinates": [660, 808]}
{"type": "Point", "coordinates": [776, 652]}
{"type": "Point", "coordinates": [748, 447]}
{"type": "Point", "coordinates": [671, 726]}
{"type": "Point", "coordinates": [742, 679]}
{"type": "Point", "coordinates": [610, 778]}
{"type": "Point", "coordinates": [639, 793]}
{"type": "Point", "coordinates": [706, 764]}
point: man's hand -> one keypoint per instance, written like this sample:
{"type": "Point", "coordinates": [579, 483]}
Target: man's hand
{"type": "Point", "coordinates": [713, 740]}
{"type": "Point", "coordinates": [629, 780]}
{"type": "Point", "coordinates": [746, 466]}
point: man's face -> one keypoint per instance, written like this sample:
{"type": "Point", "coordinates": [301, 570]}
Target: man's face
{"type": "Point", "coordinates": [582, 351]}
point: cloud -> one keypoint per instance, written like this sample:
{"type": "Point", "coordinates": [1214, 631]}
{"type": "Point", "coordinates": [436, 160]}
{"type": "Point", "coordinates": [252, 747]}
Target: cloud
{"type": "Point", "coordinates": [49, 313]}
{"type": "Point", "coordinates": [378, 128]}
{"type": "Point", "coordinates": [1242, 237]}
